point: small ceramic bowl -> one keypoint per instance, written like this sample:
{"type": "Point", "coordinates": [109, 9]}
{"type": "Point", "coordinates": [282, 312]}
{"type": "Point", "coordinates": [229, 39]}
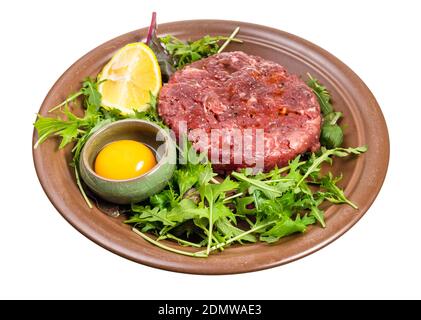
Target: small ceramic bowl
{"type": "Point", "coordinates": [135, 189]}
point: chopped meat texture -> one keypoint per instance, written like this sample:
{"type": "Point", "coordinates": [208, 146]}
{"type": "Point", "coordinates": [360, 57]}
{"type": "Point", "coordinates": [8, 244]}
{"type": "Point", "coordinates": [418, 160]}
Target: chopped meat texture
{"type": "Point", "coordinates": [243, 110]}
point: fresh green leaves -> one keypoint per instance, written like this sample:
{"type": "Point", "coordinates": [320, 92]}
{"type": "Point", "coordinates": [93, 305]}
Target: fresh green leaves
{"type": "Point", "coordinates": [47, 127]}
{"type": "Point", "coordinates": [173, 53]}
{"type": "Point", "coordinates": [195, 209]}
{"type": "Point", "coordinates": [321, 93]}
{"type": "Point", "coordinates": [331, 135]}
{"type": "Point", "coordinates": [254, 184]}
{"type": "Point", "coordinates": [325, 156]}
{"type": "Point", "coordinates": [332, 192]}
{"type": "Point", "coordinates": [264, 206]}
{"type": "Point", "coordinates": [151, 215]}
{"type": "Point", "coordinates": [228, 231]}
{"type": "Point", "coordinates": [185, 53]}
{"type": "Point", "coordinates": [77, 129]}
{"type": "Point", "coordinates": [92, 95]}
{"type": "Point", "coordinates": [213, 194]}
{"type": "Point", "coordinates": [287, 200]}
{"type": "Point", "coordinates": [192, 207]}
{"type": "Point", "coordinates": [73, 127]}
{"type": "Point", "coordinates": [188, 52]}
{"type": "Point", "coordinates": [283, 228]}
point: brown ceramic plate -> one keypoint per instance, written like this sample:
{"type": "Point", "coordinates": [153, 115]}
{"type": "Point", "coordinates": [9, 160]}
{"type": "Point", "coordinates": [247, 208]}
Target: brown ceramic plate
{"type": "Point", "coordinates": [363, 176]}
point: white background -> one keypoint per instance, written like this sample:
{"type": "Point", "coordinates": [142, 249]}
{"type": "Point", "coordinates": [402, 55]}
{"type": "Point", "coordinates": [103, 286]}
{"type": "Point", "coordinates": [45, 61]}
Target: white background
{"type": "Point", "coordinates": [42, 256]}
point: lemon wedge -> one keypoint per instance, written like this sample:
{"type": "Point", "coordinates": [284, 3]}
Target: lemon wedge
{"type": "Point", "coordinates": [130, 75]}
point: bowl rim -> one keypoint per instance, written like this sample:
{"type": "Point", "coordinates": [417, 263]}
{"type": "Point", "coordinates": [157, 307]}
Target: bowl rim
{"type": "Point", "coordinates": [158, 165]}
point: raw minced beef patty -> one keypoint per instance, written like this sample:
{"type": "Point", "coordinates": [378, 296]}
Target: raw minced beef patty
{"type": "Point", "coordinates": [238, 92]}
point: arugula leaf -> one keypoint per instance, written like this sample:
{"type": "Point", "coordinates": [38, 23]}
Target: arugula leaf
{"type": "Point", "coordinates": [220, 211]}
{"type": "Point", "coordinates": [220, 189]}
{"type": "Point", "coordinates": [334, 194]}
{"type": "Point", "coordinates": [205, 173]}
{"type": "Point", "coordinates": [73, 127]}
{"type": "Point", "coordinates": [270, 191]}
{"type": "Point", "coordinates": [187, 52]}
{"type": "Point", "coordinates": [331, 135]}
{"type": "Point", "coordinates": [284, 228]}
{"type": "Point", "coordinates": [164, 199]}
{"type": "Point", "coordinates": [243, 204]}
{"type": "Point", "coordinates": [186, 179]}
{"type": "Point", "coordinates": [321, 93]}
{"type": "Point", "coordinates": [93, 97]}
{"type": "Point", "coordinates": [318, 214]}
{"type": "Point", "coordinates": [332, 118]}
{"type": "Point", "coordinates": [212, 193]}
{"type": "Point", "coordinates": [146, 214]}
{"type": "Point", "coordinates": [325, 156]}
{"type": "Point", "coordinates": [185, 210]}
{"type": "Point", "coordinates": [193, 175]}
{"type": "Point", "coordinates": [225, 227]}
{"type": "Point", "coordinates": [69, 134]}
{"type": "Point", "coordinates": [47, 127]}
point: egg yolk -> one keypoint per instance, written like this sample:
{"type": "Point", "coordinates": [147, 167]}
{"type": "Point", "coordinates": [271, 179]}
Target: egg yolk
{"type": "Point", "coordinates": [124, 159]}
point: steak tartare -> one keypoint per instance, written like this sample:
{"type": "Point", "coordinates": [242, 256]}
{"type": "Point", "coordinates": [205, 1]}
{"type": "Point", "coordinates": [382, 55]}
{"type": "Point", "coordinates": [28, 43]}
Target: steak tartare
{"type": "Point", "coordinates": [263, 115]}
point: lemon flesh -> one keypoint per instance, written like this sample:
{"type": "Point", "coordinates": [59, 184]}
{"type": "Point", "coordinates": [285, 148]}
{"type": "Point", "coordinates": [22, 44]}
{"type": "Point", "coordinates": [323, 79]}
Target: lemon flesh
{"type": "Point", "coordinates": [128, 79]}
